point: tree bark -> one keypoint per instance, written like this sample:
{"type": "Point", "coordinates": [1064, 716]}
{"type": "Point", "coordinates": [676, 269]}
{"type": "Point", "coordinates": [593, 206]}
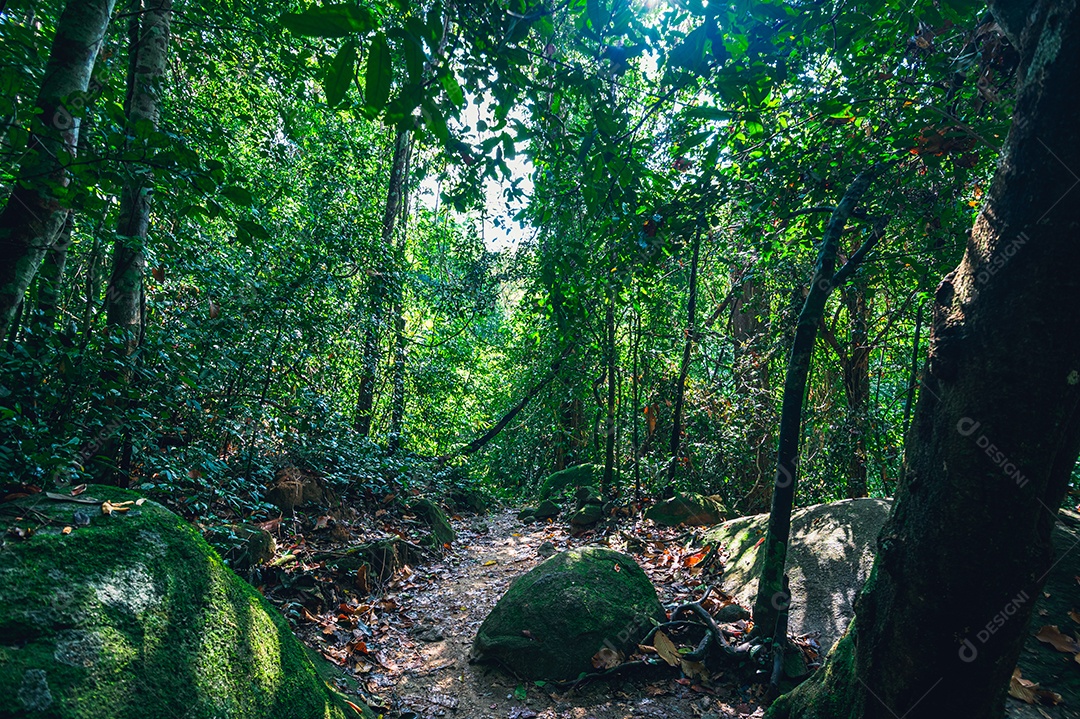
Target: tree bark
{"type": "Point", "coordinates": [771, 600]}
{"type": "Point", "coordinates": [51, 278]}
{"type": "Point", "coordinates": [37, 207]}
{"type": "Point", "coordinates": [148, 50]}
{"type": "Point", "coordinates": [365, 403]}
{"type": "Point", "coordinates": [996, 434]}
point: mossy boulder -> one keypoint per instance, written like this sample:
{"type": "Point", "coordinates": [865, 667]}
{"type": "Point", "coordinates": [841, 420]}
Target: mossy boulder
{"type": "Point", "coordinates": [581, 475]}
{"type": "Point", "coordinates": [441, 530]}
{"type": "Point", "coordinates": [555, 618]}
{"type": "Point", "coordinates": [586, 517]}
{"type": "Point", "coordinates": [136, 617]}
{"type": "Point", "coordinates": [547, 510]}
{"type": "Point", "coordinates": [588, 495]}
{"type": "Point", "coordinates": [527, 514]}
{"type": "Point", "coordinates": [688, 508]}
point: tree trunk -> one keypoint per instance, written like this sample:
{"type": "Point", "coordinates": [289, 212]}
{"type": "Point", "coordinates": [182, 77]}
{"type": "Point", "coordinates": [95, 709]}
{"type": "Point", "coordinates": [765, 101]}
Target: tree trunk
{"type": "Point", "coordinates": [483, 439]}
{"type": "Point", "coordinates": [397, 398]}
{"type": "Point", "coordinates": [940, 624]}
{"type": "Point", "coordinates": [365, 403]}
{"type": "Point", "coordinates": [771, 599]}
{"type": "Point", "coordinates": [752, 382]}
{"type": "Point", "coordinates": [684, 368]}
{"type": "Point", "coordinates": [51, 278]}
{"type": "Point", "coordinates": [857, 386]}
{"type": "Point", "coordinates": [608, 479]}
{"type": "Point", "coordinates": [36, 209]}
{"type": "Point", "coordinates": [148, 50]}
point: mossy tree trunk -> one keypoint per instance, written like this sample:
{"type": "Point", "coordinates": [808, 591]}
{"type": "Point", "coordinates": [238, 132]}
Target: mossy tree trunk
{"type": "Point", "coordinates": [771, 598]}
{"type": "Point", "coordinates": [996, 433]}
{"type": "Point", "coordinates": [37, 206]}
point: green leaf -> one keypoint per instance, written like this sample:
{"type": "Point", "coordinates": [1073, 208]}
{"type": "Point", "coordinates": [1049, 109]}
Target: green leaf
{"type": "Point", "coordinates": [238, 196]}
{"type": "Point", "coordinates": [379, 72]}
{"type": "Point", "coordinates": [341, 74]}
{"type": "Point", "coordinates": [329, 21]}
{"type": "Point", "coordinates": [453, 89]}
{"type": "Point", "coordinates": [414, 58]}
{"type": "Point", "coordinates": [520, 693]}
{"type": "Point", "coordinates": [689, 53]}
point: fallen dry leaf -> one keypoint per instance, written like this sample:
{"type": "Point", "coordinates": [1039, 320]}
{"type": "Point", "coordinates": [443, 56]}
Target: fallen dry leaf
{"type": "Point", "coordinates": [694, 670]}
{"type": "Point", "coordinates": [607, 659]}
{"type": "Point", "coordinates": [666, 649]}
{"type": "Point", "coordinates": [1030, 692]}
{"type": "Point", "coordinates": [1051, 635]}
{"type": "Point", "coordinates": [65, 530]}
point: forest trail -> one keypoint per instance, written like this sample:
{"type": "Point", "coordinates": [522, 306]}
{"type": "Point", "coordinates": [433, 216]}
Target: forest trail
{"type": "Point", "coordinates": [423, 675]}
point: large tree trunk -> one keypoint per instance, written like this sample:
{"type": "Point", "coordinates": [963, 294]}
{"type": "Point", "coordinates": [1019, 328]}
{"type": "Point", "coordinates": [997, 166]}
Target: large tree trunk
{"type": "Point", "coordinates": [365, 403]}
{"type": "Point", "coordinates": [771, 599]}
{"type": "Point", "coordinates": [148, 48]}
{"type": "Point", "coordinates": [36, 209]}
{"type": "Point", "coordinates": [940, 624]}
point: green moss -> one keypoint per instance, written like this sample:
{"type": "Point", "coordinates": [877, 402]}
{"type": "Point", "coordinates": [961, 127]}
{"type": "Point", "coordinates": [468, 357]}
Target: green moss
{"type": "Point", "coordinates": [581, 475]}
{"type": "Point", "coordinates": [136, 616]}
{"type": "Point", "coordinates": [554, 619]}
{"type": "Point", "coordinates": [828, 693]}
{"type": "Point", "coordinates": [441, 530]}
{"type": "Point", "coordinates": [687, 508]}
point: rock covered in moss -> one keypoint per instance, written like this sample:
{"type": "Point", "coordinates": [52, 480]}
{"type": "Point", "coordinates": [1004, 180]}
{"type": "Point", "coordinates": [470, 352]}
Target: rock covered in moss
{"type": "Point", "coordinates": [586, 517]}
{"type": "Point", "coordinates": [527, 514]}
{"type": "Point", "coordinates": [135, 616]}
{"type": "Point", "coordinates": [441, 530]}
{"type": "Point", "coordinates": [581, 475]}
{"type": "Point", "coordinates": [688, 508]}
{"type": "Point", "coordinates": [554, 619]}
{"type": "Point", "coordinates": [547, 510]}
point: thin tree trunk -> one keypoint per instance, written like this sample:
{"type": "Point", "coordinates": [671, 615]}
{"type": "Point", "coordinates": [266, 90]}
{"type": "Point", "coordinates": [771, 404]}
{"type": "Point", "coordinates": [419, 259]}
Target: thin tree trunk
{"type": "Point", "coordinates": [365, 403]}
{"type": "Point", "coordinates": [608, 480]}
{"type": "Point", "coordinates": [148, 50]}
{"type": "Point", "coordinates": [397, 399]}
{"type": "Point", "coordinates": [857, 386]}
{"type": "Point", "coordinates": [636, 384]}
{"type": "Point", "coordinates": [482, 440]}
{"type": "Point", "coordinates": [752, 382]}
{"type": "Point", "coordinates": [684, 368]}
{"type": "Point", "coordinates": [770, 597]}
{"type": "Point", "coordinates": [34, 213]}
{"type": "Point", "coordinates": [913, 374]}
{"type": "Point", "coordinates": [966, 550]}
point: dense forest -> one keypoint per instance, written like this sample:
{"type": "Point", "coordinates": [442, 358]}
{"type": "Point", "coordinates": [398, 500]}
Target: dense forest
{"type": "Point", "coordinates": [416, 260]}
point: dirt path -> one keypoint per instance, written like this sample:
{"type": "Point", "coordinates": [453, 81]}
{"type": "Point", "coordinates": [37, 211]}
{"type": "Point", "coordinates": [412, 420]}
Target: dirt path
{"type": "Point", "coordinates": [426, 672]}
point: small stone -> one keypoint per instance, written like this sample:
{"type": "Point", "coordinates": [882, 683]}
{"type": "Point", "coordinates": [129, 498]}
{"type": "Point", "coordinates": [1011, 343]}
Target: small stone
{"type": "Point", "coordinates": [547, 549]}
